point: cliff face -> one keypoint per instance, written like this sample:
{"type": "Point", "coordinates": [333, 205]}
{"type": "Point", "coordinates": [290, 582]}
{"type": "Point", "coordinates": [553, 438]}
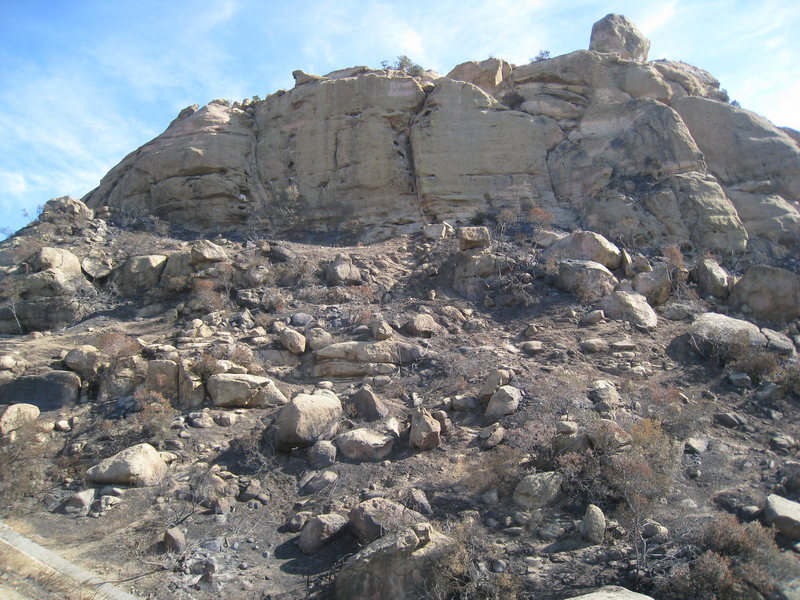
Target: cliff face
{"type": "Point", "coordinates": [650, 151]}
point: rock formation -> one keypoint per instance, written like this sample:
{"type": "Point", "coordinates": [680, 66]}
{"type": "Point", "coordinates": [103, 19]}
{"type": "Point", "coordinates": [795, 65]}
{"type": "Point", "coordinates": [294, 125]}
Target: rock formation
{"type": "Point", "coordinates": [599, 138]}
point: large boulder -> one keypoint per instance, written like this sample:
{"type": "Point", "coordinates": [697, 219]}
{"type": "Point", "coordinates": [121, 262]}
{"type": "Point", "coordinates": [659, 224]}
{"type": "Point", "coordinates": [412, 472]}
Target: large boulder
{"type": "Point", "coordinates": [656, 284]}
{"type": "Point", "coordinates": [586, 246]}
{"type": "Point", "coordinates": [193, 174]}
{"type": "Point", "coordinates": [768, 218]}
{"type": "Point", "coordinates": [140, 274]}
{"type": "Point", "coordinates": [784, 514]}
{"type": "Point", "coordinates": [203, 252]}
{"type": "Point", "coordinates": [354, 359]}
{"type": "Point", "coordinates": [770, 293]}
{"type": "Point", "coordinates": [504, 401]}
{"type": "Point", "coordinates": [719, 336]}
{"type": "Point", "coordinates": [617, 33]}
{"type": "Point", "coordinates": [342, 271]}
{"type": "Point", "coordinates": [239, 390]}
{"type": "Point", "coordinates": [538, 490]}
{"type": "Point", "coordinates": [375, 517]}
{"type": "Point", "coordinates": [17, 415]}
{"type": "Point", "coordinates": [139, 465]}
{"type": "Point", "coordinates": [86, 360]}
{"type": "Point", "coordinates": [47, 391]}
{"type": "Point", "coordinates": [425, 430]}
{"type": "Point", "coordinates": [364, 444]}
{"type": "Point", "coordinates": [629, 306]}
{"type": "Point", "coordinates": [368, 405]}
{"type": "Point", "coordinates": [59, 259]}
{"type": "Point", "coordinates": [711, 278]}
{"type": "Point", "coordinates": [587, 280]}
{"type": "Point", "coordinates": [397, 566]}
{"type": "Point", "coordinates": [320, 530]}
{"type": "Point", "coordinates": [305, 419]}
{"type": "Point", "coordinates": [47, 292]}
{"type": "Point", "coordinates": [487, 74]}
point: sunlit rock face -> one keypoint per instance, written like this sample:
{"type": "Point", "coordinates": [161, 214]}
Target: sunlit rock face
{"type": "Point", "coordinates": [599, 139]}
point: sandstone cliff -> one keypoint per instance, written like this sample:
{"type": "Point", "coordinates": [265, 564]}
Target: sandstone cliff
{"type": "Point", "coordinates": [600, 138]}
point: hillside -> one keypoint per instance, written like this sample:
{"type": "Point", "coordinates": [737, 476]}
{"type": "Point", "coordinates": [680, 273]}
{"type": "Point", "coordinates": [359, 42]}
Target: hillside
{"type": "Point", "coordinates": [515, 332]}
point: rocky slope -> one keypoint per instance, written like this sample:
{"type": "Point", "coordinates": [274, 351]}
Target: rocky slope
{"type": "Point", "coordinates": [539, 381]}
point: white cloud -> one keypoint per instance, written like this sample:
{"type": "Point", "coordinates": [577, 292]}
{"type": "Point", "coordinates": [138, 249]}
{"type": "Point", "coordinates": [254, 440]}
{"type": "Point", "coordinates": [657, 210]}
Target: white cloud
{"type": "Point", "coordinates": [13, 183]}
{"type": "Point", "coordinates": [656, 20]}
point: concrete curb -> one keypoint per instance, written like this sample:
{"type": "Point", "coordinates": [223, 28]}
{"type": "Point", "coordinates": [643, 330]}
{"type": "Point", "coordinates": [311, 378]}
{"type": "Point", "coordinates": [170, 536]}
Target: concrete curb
{"type": "Point", "coordinates": [42, 555]}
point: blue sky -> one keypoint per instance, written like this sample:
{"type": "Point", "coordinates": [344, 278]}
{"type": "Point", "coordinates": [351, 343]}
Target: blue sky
{"type": "Point", "coordinates": [83, 83]}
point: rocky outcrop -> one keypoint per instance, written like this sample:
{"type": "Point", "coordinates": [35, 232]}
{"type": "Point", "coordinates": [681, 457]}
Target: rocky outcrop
{"type": "Point", "coordinates": [596, 137]}
{"type": "Point", "coordinates": [471, 157]}
{"type": "Point", "coordinates": [632, 171]}
{"type": "Point", "coordinates": [47, 291]}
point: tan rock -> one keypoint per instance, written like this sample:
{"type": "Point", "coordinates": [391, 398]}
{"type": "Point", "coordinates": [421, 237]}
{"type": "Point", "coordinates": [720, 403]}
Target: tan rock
{"type": "Point", "coordinates": [292, 340]}
{"type": "Point", "coordinates": [364, 444]}
{"type": "Point", "coordinates": [616, 33]}
{"type": "Point", "coordinates": [504, 401]}
{"type": "Point", "coordinates": [473, 237]}
{"type": "Point", "coordinates": [138, 465]}
{"type": "Point", "coordinates": [17, 415]}
{"type": "Point", "coordinates": [305, 419]}
{"type": "Point", "coordinates": [631, 307]}
{"type": "Point", "coordinates": [140, 274]}
{"type": "Point", "coordinates": [376, 517]}
{"type": "Point", "coordinates": [244, 391]}
{"type": "Point", "coordinates": [422, 326]}
{"type": "Point", "coordinates": [587, 280]}
{"type": "Point", "coordinates": [162, 377]}
{"type": "Point", "coordinates": [770, 293]}
{"type": "Point", "coordinates": [317, 338]}
{"type": "Point", "coordinates": [588, 246]}
{"type": "Point", "coordinates": [58, 259]}
{"type": "Point", "coordinates": [320, 530]}
{"type": "Point", "coordinates": [501, 155]}
{"type": "Point", "coordinates": [486, 74]}
{"type": "Point", "coordinates": [643, 138]}
{"type": "Point", "coordinates": [712, 279]}
{"type": "Point", "coordinates": [538, 490]}
{"type": "Point", "coordinates": [425, 430]}
{"type": "Point", "coordinates": [387, 351]}
{"type": "Point", "coordinates": [718, 336]}
{"type": "Point", "coordinates": [741, 146]}
{"type": "Point", "coordinates": [85, 360]}
{"type": "Point", "coordinates": [396, 565]}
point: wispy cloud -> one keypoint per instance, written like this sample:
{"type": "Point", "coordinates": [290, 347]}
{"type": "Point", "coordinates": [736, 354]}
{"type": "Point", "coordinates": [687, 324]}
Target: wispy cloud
{"type": "Point", "coordinates": [657, 19]}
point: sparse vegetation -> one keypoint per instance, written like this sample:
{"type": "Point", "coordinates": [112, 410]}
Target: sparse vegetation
{"type": "Point", "coordinates": [404, 64]}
